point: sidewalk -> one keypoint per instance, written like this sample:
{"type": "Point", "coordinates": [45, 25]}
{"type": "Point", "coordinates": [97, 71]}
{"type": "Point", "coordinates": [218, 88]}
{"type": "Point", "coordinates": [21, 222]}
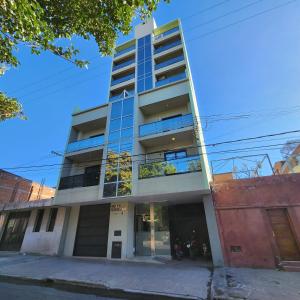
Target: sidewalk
{"type": "Point", "coordinates": [136, 280]}
{"type": "Point", "coordinates": [184, 281]}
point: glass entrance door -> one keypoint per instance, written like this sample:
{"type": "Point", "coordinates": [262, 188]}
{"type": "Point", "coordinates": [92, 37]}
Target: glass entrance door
{"type": "Point", "coordinates": [152, 235]}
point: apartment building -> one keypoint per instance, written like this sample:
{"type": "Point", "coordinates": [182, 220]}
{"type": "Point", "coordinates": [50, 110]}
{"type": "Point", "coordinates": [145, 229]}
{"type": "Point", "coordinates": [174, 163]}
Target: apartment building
{"type": "Point", "coordinates": [135, 179]}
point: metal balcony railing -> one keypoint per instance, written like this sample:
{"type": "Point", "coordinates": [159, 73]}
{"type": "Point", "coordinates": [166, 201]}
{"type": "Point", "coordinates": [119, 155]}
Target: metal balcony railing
{"type": "Point", "coordinates": [124, 94]}
{"type": "Point", "coordinates": [70, 182]}
{"type": "Point", "coordinates": [85, 144]}
{"type": "Point", "coordinates": [170, 79]}
{"type": "Point", "coordinates": [122, 79]}
{"type": "Point", "coordinates": [170, 31]}
{"type": "Point", "coordinates": [167, 46]}
{"type": "Point", "coordinates": [124, 64]}
{"type": "Point", "coordinates": [170, 167]}
{"type": "Point", "coordinates": [124, 51]}
{"type": "Point", "coordinates": [169, 62]}
{"type": "Point", "coordinates": [166, 125]}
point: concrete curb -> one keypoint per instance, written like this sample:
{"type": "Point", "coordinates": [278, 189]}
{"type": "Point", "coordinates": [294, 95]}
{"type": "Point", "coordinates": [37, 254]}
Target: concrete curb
{"type": "Point", "coordinates": [92, 288]}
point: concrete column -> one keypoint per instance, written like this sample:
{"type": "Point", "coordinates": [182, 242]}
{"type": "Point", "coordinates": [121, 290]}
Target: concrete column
{"type": "Point", "coordinates": [71, 231]}
{"type": "Point", "coordinates": [215, 244]}
{"type": "Point", "coordinates": [64, 230]}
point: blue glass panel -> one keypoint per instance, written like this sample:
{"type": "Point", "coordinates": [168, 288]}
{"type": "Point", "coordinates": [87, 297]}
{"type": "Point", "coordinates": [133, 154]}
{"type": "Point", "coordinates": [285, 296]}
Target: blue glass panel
{"type": "Point", "coordinates": [128, 106]}
{"type": "Point", "coordinates": [127, 133]}
{"type": "Point", "coordinates": [170, 79]}
{"type": "Point", "coordinates": [122, 79]}
{"type": "Point", "coordinates": [169, 62]}
{"type": "Point", "coordinates": [116, 110]}
{"type": "Point", "coordinates": [127, 122]}
{"type": "Point", "coordinates": [166, 125]}
{"type": "Point", "coordinates": [122, 65]}
{"type": "Point", "coordinates": [115, 125]}
{"type": "Point", "coordinates": [170, 31]}
{"type": "Point", "coordinates": [167, 46]}
{"type": "Point", "coordinates": [85, 144]}
{"type": "Point", "coordinates": [114, 136]}
{"type": "Point", "coordinates": [124, 51]}
{"type": "Point", "coordinates": [148, 83]}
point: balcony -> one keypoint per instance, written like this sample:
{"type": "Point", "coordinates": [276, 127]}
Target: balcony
{"type": "Point", "coordinates": [82, 180]}
{"type": "Point", "coordinates": [169, 62]}
{"type": "Point", "coordinates": [166, 125]}
{"type": "Point", "coordinates": [166, 33]}
{"type": "Point", "coordinates": [170, 79]}
{"type": "Point", "coordinates": [85, 144]}
{"type": "Point", "coordinates": [122, 65]}
{"type": "Point", "coordinates": [170, 167]}
{"type": "Point", "coordinates": [122, 79]}
{"type": "Point", "coordinates": [121, 52]}
{"type": "Point", "coordinates": [167, 46]}
{"type": "Point", "coordinates": [122, 95]}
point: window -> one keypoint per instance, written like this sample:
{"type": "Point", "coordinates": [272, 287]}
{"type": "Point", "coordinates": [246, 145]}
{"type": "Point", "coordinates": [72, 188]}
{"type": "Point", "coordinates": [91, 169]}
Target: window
{"type": "Point", "coordinates": [38, 220]}
{"type": "Point", "coordinates": [144, 64]}
{"type": "Point", "coordinates": [52, 219]}
{"type": "Point", "coordinates": [175, 155]}
{"type": "Point", "coordinates": [96, 135]}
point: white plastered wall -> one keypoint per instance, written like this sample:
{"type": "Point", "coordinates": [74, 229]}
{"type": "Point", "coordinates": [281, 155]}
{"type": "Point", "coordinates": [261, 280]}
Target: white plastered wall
{"type": "Point", "coordinates": [122, 220]}
{"type": "Point", "coordinates": [43, 242]}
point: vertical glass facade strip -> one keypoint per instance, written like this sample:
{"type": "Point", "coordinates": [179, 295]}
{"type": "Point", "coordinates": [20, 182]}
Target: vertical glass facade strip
{"type": "Point", "coordinates": [144, 59]}
{"type": "Point", "coordinates": [118, 169]}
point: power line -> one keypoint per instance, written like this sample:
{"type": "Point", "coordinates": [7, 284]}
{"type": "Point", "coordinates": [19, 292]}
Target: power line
{"type": "Point", "coordinates": [190, 147]}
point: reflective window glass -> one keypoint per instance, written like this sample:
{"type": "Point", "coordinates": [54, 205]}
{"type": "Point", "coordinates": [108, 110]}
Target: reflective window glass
{"type": "Point", "coordinates": [127, 133]}
{"type": "Point", "coordinates": [110, 189]}
{"type": "Point", "coordinates": [113, 148]}
{"type": "Point", "coordinates": [148, 83]}
{"type": "Point", "coordinates": [114, 136]}
{"type": "Point", "coordinates": [110, 174]}
{"type": "Point", "coordinates": [116, 110]}
{"type": "Point", "coordinates": [115, 124]}
{"type": "Point", "coordinates": [128, 107]}
{"type": "Point", "coordinates": [124, 188]}
{"type": "Point", "coordinates": [127, 122]}
{"type": "Point", "coordinates": [125, 173]}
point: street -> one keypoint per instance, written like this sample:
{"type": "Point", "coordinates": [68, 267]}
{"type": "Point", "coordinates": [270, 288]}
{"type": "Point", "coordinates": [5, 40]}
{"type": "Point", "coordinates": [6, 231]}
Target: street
{"type": "Point", "coordinates": [29, 292]}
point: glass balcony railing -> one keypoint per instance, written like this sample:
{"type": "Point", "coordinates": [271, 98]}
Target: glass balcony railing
{"type": "Point", "coordinates": [122, 65]}
{"type": "Point", "coordinates": [123, 95]}
{"type": "Point", "coordinates": [124, 51]}
{"type": "Point", "coordinates": [167, 46]}
{"type": "Point", "coordinates": [169, 62]}
{"type": "Point", "coordinates": [70, 182]}
{"type": "Point", "coordinates": [85, 144]}
{"type": "Point", "coordinates": [170, 167]}
{"type": "Point", "coordinates": [122, 79]}
{"type": "Point", "coordinates": [170, 31]}
{"type": "Point", "coordinates": [166, 125]}
{"type": "Point", "coordinates": [170, 79]}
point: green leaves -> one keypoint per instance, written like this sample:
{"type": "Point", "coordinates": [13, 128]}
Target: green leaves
{"type": "Point", "coordinates": [10, 108]}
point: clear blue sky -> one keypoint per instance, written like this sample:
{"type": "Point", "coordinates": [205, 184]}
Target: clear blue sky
{"type": "Point", "coordinates": [238, 68]}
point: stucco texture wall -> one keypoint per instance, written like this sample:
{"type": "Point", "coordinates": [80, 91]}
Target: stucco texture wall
{"type": "Point", "coordinates": [44, 242]}
{"type": "Point", "coordinates": [241, 209]}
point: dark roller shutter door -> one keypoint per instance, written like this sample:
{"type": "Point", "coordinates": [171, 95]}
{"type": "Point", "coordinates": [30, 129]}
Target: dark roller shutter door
{"type": "Point", "coordinates": [92, 231]}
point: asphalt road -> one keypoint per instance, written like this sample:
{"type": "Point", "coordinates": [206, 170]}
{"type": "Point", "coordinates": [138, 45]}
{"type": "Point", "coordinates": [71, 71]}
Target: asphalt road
{"type": "Point", "coordinates": [9, 291]}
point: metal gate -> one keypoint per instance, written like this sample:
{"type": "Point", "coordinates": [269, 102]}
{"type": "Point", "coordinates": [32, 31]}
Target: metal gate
{"type": "Point", "coordinates": [14, 231]}
{"type": "Point", "coordinates": [92, 231]}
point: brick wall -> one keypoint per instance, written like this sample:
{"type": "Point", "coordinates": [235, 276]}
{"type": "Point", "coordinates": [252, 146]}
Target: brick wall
{"type": "Point", "coordinates": [241, 209]}
{"type": "Point", "coordinates": [14, 188]}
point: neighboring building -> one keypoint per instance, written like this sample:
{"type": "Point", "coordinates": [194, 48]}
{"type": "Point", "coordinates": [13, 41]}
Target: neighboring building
{"type": "Point", "coordinates": [290, 165]}
{"type": "Point", "coordinates": [134, 174]}
{"type": "Point", "coordinates": [259, 221]}
{"type": "Point", "coordinates": [17, 194]}
{"type": "Point", "coordinates": [14, 188]}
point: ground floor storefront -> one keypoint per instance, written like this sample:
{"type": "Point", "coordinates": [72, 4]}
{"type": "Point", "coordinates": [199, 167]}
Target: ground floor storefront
{"type": "Point", "coordinates": [126, 230]}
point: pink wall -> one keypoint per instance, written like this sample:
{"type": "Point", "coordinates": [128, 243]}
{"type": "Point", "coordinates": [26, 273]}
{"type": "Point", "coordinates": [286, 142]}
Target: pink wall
{"type": "Point", "coordinates": [242, 218]}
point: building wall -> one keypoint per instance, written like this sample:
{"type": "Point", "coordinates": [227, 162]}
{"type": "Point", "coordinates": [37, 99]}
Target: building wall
{"type": "Point", "coordinates": [44, 242]}
{"type": "Point", "coordinates": [241, 209]}
{"type": "Point", "coordinates": [14, 188]}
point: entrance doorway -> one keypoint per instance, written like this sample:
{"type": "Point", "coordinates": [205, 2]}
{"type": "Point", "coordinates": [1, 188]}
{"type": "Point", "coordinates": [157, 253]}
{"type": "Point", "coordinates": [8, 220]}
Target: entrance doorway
{"type": "Point", "coordinates": [14, 232]}
{"type": "Point", "coordinates": [92, 231]}
{"type": "Point", "coordinates": [188, 229]}
{"type": "Point", "coordinates": [284, 236]}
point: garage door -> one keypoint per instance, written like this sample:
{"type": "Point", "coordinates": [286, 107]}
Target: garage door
{"type": "Point", "coordinates": [92, 231]}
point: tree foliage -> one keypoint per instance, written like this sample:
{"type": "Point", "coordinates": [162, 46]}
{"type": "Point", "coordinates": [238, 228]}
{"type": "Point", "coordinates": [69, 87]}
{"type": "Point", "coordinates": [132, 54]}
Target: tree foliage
{"type": "Point", "coordinates": [10, 108]}
{"type": "Point", "coordinates": [39, 24]}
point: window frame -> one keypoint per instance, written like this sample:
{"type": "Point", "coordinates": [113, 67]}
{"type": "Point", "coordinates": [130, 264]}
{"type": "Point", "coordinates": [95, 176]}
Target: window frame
{"type": "Point", "coordinates": [52, 219]}
{"type": "Point", "coordinates": [38, 220]}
